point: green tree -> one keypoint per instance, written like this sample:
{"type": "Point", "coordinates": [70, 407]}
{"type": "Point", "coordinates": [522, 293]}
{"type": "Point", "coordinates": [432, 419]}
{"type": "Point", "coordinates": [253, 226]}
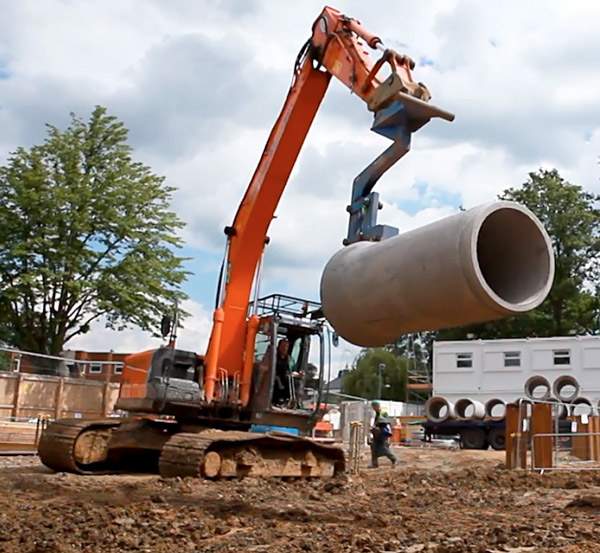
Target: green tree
{"type": "Point", "coordinates": [572, 219]}
{"type": "Point", "coordinates": [85, 232]}
{"type": "Point", "coordinates": [364, 378]}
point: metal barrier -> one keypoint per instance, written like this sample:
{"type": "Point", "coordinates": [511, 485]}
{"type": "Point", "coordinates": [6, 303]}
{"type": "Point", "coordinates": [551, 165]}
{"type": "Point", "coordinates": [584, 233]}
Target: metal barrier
{"type": "Point", "coordinates": [567, 461]}
{"type": "Point", "coordinates": [554, 437]}
{"type": "Point", "coordinates": [356, 445]}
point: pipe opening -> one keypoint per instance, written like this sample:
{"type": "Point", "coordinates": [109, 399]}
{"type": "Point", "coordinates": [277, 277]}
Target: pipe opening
{"type": "Point", "coordinates": [537, 387]}
{"type": "Point", "coordinates": [495, 408]}
{"type": "Point", "coordinates": [581, 406]}
{"type": "Point", "coordinates": [566, 388]}
{"type": "Point", "coordinates": [438, 409]}
{"type": "Point", "coordinates": [513, 256]}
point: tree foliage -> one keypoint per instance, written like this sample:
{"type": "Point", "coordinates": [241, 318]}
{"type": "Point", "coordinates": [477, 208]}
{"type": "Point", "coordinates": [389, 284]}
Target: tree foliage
{"type": "Point", "coordinates": [572, 219]}
{"type": "Point", "coordinates": [85, 232]}
{"type": "Point", "coordinates": [363, 379]}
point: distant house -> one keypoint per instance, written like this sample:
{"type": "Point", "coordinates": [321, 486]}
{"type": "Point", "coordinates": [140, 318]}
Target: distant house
{"type": "Point", "coordinates": [93, 365]}
{"type": "Point", "coordinates": [335, 385]}
{"type": "Point", "coordinates": [97, 365]}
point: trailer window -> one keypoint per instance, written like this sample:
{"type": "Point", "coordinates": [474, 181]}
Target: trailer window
{"type": "Point", "coordinates": [464, 360]}
{"type": "Point", "coordinates": [562, 357]}
{"type": "Point", "coordinates": [512, 358]}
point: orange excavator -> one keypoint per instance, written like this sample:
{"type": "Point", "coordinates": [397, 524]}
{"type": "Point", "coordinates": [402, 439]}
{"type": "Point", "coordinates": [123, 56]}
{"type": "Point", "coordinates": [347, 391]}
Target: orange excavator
{"type": "Point", "coordinates": [247, 406]}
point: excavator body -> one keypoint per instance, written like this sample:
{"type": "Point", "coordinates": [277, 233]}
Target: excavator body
{"type": "Point", "coordinates": [244, 407]}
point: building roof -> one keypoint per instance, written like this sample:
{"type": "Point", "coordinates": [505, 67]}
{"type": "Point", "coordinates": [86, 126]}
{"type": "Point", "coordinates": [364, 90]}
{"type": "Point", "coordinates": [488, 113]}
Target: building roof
{"type": "Point", "coordinates": [336, 383]}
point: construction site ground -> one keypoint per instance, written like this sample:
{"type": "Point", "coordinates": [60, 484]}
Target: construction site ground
{"type": "Point", "coordinates": [440, 501]}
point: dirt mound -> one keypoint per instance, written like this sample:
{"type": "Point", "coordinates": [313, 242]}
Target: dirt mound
{"type": "Point", "coordinates": [477, 508]}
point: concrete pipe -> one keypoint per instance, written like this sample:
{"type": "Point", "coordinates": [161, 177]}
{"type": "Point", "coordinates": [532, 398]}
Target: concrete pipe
{"type": "Point", "coordinates": [468, 409]}
{"type": "Point", "coordinates": [566, 388]}
{"type": "Point", "coordinates": [581, 406]}
{"type": "Point", "coordinates": [439, 409]}
{"type": "Point", "coordinates": [490, 262]}
{"type": "Point", "coordinates": [495, 409]}
{"type": "Point", "coordinates": [537, 387]}
{"type": "Point", "coordinates": [559, 409]}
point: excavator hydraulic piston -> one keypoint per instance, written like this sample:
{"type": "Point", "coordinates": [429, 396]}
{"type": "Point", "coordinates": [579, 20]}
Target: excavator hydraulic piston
{"type": "Point", "coordinates": [489, 262]}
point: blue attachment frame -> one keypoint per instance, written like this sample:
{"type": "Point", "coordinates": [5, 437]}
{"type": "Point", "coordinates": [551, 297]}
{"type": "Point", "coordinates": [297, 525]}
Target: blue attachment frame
{"type": "Point", "coordinates": [391, 122]}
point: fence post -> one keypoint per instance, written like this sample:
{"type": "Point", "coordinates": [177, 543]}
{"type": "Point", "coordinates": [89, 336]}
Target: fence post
{"type": "Point", "coordinates": [515, 438]}
{"type": "Point", "coordinates": [58, 398]}
{"type": "Point", "coordinates": [541, 423]}
{"type": "Point", "coordinates": [17, 396]}
{"type": "Point", "coordinates": [580, 445]}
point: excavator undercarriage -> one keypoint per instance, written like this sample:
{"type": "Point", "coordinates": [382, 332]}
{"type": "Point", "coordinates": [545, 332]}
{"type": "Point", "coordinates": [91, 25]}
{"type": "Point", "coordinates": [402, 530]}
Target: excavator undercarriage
{"type": "Point", "coordinates": [128, 445]}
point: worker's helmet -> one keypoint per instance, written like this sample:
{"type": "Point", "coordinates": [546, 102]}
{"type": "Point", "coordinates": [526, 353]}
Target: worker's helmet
{"type": "Point", "coordinates": [375, 403]}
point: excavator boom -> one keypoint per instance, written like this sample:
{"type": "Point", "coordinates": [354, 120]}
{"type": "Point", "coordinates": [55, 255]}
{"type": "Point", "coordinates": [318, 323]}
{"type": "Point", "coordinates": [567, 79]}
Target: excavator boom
{"type": "Point", "coordinates": [339, 46]}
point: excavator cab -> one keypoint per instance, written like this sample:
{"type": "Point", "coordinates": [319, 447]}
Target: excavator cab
{"type": "Point", "coordinates": [291, 380]}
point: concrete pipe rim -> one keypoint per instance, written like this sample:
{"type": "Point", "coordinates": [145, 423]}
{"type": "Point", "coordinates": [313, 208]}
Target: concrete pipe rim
{"type": "Point", "coordinates": [489, 408]}
{"type": "Point", "coordinates": [434, 406]}
{"type": "Point", "coordinates": [461, 406]}
{"type": "Point", "coordinates": [534, 382]}
{"type": "Point", "coordinates": [581, 401]}
{"type": "Point", "coordinates": [563, 381]}
{"type": "Point", "coordinates": [502, 288]}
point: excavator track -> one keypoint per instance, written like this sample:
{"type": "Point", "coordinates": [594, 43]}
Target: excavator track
{"type": "Point", "coordinates": [217, 454]}
{"type": "Point", "coordinates": [76, 445]}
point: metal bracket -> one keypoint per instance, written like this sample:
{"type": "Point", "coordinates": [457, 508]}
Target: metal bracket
{"type": "Point", "coordinates": [393, 123]}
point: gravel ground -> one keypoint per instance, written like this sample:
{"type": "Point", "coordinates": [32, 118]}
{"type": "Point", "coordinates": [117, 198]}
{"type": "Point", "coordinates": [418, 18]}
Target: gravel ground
{"type": "Point", "coordinates": [436, 501]}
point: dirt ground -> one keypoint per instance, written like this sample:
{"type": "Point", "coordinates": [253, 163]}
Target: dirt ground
{"type": "Point", "coordinates": [436, 501]}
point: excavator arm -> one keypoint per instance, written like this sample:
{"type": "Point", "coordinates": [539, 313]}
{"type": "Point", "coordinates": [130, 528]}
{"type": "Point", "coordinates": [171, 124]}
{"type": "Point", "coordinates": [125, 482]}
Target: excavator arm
{"type": "Point", "coordinates": [339, 46]}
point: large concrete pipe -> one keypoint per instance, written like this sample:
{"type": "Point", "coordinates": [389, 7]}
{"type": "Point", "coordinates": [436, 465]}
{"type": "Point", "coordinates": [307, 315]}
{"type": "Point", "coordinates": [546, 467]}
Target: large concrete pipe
{"type": "Point", "coordinates": [469, 409]}
{"type": "Point", "coordinates": [566, 388]}
{"type": "Point", "coordinates": [439, 409]}
{"type": "Point", "coordinates": [537, 387]}
{"type": "Point", "coordinates": [495, 409]}
{"type": "Point", "coordinates": [581, 406]}
{"type": "Point", "coordinates": [490, 262]}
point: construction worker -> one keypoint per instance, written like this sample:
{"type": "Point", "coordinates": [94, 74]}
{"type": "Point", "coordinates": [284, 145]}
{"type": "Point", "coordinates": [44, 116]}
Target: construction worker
{"type": "Point", "coordinates": [381, 432]}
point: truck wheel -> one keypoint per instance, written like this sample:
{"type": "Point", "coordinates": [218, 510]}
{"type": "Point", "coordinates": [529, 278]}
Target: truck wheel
{"type": "Point", "coordinates": [497, 439]}
{"type": "Point", "coordinates": [473, 438]}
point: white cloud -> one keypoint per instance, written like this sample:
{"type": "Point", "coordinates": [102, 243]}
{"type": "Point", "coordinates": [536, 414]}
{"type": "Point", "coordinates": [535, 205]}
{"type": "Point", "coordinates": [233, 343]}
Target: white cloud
{"type": "Point", "coordinates": [200, 83]}
{"type": "Point", "coordinates": [193, 337]}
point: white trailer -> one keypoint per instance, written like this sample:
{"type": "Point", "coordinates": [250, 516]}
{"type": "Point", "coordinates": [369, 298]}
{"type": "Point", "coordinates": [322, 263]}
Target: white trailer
{"type": "Point", "coordinates": [486, 369]}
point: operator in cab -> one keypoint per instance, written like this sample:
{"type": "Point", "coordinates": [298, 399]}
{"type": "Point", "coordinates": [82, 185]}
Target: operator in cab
{"type": "Point", "coordinates": [281, 389]}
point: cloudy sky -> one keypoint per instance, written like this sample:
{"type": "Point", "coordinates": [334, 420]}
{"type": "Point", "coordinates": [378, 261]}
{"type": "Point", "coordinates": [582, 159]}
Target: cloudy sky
{"type": "Point", "coordinates": [199, 84]}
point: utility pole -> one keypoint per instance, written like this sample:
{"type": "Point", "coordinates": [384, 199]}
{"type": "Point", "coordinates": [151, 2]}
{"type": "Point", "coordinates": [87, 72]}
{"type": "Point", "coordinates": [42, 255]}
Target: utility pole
{"type": "Point", "coordinates": [380, 369]}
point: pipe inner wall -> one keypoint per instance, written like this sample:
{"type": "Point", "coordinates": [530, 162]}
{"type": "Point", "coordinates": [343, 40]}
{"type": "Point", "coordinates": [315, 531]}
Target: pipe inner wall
{"type": "Point", "coordinates": [490, 262]}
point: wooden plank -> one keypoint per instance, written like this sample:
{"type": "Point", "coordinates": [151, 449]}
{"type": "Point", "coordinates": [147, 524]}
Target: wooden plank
{"type": "Point", "coordinates": [541, 423]}
{"type": "Point", "coordinates": [516, 440]}
{"type": "Point", "coordinates": [421, 386]}
{"type": "Point", "coordinates": [17, 437]}
{"type": "Point", "coordinates": [594, 441]}
{"type": "Point", "coordinates": [580, 445]}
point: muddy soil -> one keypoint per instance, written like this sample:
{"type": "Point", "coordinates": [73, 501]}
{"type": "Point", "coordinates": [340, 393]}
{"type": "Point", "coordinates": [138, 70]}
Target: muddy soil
{"type": "Point", "coordinates": [436, 501]}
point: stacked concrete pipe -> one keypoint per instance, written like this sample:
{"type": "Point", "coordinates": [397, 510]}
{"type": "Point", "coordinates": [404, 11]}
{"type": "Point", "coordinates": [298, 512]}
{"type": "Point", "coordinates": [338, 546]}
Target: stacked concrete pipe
{"type": "Point", "coordinates": [462, 406]}
{"type": "Point", "coordinates": [559, 408]}
{"type": "Point", "coordinates": [439, 409]}
{"type": "Point", "coordinates": [537, 381]}
{"type": "Point", "coordinates": [589, 408]}
{"type": "Point", "coordinates": [491, 405]}
{"type": "Point", "coordinates": [489, 262]}
{"type": "Point", "coordinates": [563, 382]}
